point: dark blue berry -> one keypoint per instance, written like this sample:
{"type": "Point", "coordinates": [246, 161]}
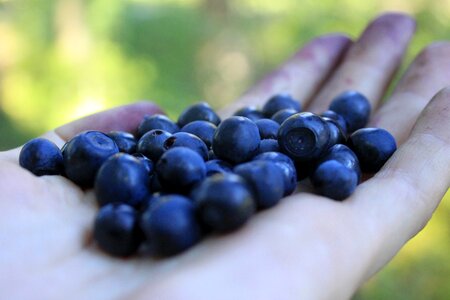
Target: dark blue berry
{"type": "Point", "coordinates": [224, 202]}
{"type": "Point", "coordinates": [41, 157]}
{"type": "Point", "coordinates": [280, 102]}
{"type": "Point", "coordinates": [160, 122]}
{"type": "Point", "coordinates": [203, 129]}
{"type": "Point", "coordinates": [373, 147]}
{"type": "Point", "coordinates": [151, 144]}
{"type": "Point", "coordinates": [338, 118]}
{"type": "Point", "coordinates": [287, 166]}
{"type": "Point", "coordinates": [184, 139]}
{"type": "Point", "coordinates": [266, 180]}
{"type": "Point", "coordinates": [275, 157]}
{"type": "Point", "coordinates": [179, 169]}
{"type": "Point", "coordinates": [116, 229]}
{"type": "Point", "coordinates": [122, 178]}
{"type": "Point", "coordinates": [268, 129]}
{"type": "Point", "coordinates": [268, 145]}
{"type": "Point", "coordinates": [334, 180]}
{"type": "Point", "coordinates": [236, 140]}
{"type": "Point", "coordinates": [170, 225]}
{"type": "Point", "coordinates": [283, 114]}
{"type": "Point", "coordinates": [148, 163]}
{"type": "Point", "coordinates": [304, 136]}
{"type": "Point", "coordinates": [345, 156]}
{"type": "Point", "coordinates": [250, 112]}
{"type": "Point", "coordinates": [84, 154]}
{"type": "Point", "coordinates": [215, 166]}
{"type": "Point", "coordinates": [200, 111]}
{"type": "Point", "coordinates": [354, 108]}
{"type": "Point", "coordinates": [337, 136]}
{"type": "Point", "coordinates": [124, 140]}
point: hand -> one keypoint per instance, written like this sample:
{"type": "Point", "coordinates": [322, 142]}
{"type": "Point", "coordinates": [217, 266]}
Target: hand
{"type": "Point", "coordinates": [307, 247]}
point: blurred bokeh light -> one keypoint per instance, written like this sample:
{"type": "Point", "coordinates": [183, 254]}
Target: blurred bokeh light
{"type": "Point", "coordinates": [63, 59]}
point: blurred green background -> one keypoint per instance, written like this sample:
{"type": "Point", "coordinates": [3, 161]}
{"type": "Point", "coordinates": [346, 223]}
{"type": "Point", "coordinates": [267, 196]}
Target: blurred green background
{"type": "Point", "coordinates": [60, 60]}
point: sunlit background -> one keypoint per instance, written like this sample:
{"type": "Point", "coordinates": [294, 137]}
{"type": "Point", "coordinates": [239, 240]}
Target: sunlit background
{"type": "Point", "coordinates": [60, 60]}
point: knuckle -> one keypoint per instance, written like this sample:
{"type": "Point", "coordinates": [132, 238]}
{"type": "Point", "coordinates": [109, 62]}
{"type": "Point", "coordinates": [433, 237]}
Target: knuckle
{"type": "Point", "coordinates": [433, 51]}
{"type": "Point", "coordinates": [444, 93]}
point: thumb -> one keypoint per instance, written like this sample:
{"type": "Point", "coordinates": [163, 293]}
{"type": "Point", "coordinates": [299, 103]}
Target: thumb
{"type": "Point", "coordinates": [124, 118]}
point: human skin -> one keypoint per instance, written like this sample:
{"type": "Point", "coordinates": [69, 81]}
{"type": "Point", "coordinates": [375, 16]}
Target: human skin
{"type": "Point", "coordinates": [306, 247]}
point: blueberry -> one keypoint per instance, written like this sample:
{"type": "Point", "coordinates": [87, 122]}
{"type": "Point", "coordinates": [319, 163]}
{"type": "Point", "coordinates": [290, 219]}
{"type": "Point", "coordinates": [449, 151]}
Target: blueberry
{"type": "Point", "coordinates": [41, 157]}
{"type": "Point", "coordinates": [345, 156]}
{"type": "Point", "coordinates": [280, 102]}
{"type": "Point", "coordinates": [275, 157]}
{"type": "Point", "coordinates": [268, 129]}
{"type": "Point", "coordinates": [283, 114]}
{"type": "Point", "coordinates": [338, 118]}
{"type": "Point", "coordinates": [215, 166]}
{"type": "Point", "coordinates": [265, 178]}
{"type": "Point", "coordinates": [124, 140]}
{"type": "Point", "coordinates": [268, 145]}
{"type": "Point", "coordinates": [151, 144]}
{"type": "Point", "coordinates": [148, 163]}
{"type": "Point", "coordinates": [287, 166]}
{"type": "Point", "coordinates": [334, 180]}
{"type": "Point", "coordinates": [200, 111]}
{"type": "Point", "coordinates": [170, 225]}
{"type": "Point", "coordinates": [184, 139]}
{"type": "Point", "coordinates": [122, 178]}
{"type": "Point", "coordinates": [337, 136]}
{"type": "Point", "coordinates": [250, 112]}
{"type": "Point", "coordinates": [354, 108]}
{"type": "Point", "coordinates": [203, 129]}
{"type": "Point", "coordinates": [373, 147]}
{"type": "Point", "coordinates": [236, 140]}
{"type": "Point", "coordinates": [157, 121]}
{"type": "Point", "coordinates": [84, 154]}
{"type": "Point", "coordinates": [180, 168]}
{"type": "Point", "coordinates": [224, 202]}
{"type": "Point", "coordinates": [116, 229]}
{"type": "Point", "coordinates": [304, 136]}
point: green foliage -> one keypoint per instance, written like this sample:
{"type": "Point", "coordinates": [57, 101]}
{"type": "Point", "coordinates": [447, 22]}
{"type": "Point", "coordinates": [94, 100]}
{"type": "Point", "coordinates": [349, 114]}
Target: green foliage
{"type": "Point", "coordinates": [68, 58]}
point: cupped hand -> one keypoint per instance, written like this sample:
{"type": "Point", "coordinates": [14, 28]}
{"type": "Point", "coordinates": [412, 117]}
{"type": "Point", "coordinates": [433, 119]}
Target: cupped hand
{"type": "Point", "coordinates": [307, 247]}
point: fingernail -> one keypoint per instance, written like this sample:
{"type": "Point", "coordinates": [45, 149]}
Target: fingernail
{"type": "Point", "coordinates": [396, 26]}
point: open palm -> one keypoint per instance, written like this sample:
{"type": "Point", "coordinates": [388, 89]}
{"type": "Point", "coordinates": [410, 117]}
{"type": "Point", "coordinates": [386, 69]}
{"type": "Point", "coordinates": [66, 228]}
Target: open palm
{"type": "Point", "coordinates": [307, 247]}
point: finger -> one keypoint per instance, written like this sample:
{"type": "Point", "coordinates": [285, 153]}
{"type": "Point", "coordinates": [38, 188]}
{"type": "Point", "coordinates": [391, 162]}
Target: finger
{"type": "Point", "coordinates": [301, 75]}
{"type": "Point", "coordinates": [304, 248]}
{"type": "Point", "coordinates": [126, 118]}
{"type": "Point", "coordinates": [429, 73]}
{"type": "Point", "coordinates": [371, 62]}
{"type": "Point", "coordinates": [311, 259]}
{"type": "Point", "coordinates": [396, 203]}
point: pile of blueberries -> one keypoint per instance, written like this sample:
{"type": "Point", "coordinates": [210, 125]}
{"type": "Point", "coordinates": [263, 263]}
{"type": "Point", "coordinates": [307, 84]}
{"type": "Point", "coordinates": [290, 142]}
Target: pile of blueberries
{"type": "Point", "coordinates": [175, 183]}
